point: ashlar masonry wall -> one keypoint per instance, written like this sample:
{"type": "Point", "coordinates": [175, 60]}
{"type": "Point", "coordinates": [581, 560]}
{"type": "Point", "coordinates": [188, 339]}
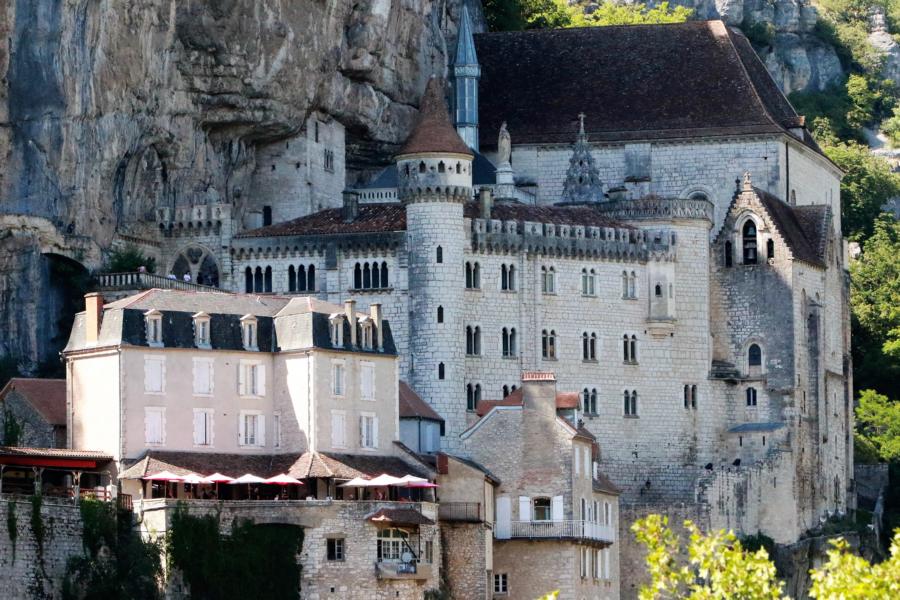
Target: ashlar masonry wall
{"type": "Point", "coordinates": [33, 568]}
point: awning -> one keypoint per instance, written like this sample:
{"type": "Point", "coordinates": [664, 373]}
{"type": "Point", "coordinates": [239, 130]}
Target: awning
{"type": "Point", "coordinates": [53, 457]}
{"type": "Point", "coordinates": [399, 516]}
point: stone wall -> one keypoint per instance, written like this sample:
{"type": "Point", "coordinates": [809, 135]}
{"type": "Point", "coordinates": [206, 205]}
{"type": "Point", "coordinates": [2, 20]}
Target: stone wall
{"type": "Point", "coordinates": [354, 578]}
{"type": "Point", "coordinates": [27, 569]}
{"type": "Point", "coordinates": [464, 560]}
{"type": "Point", "coordinates": [35, 430]}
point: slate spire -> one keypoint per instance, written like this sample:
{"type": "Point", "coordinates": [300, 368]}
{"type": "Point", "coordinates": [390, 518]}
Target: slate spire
{"type": "Point", "coordinates": [582, 179]}
{"type": "Point", "coordinates": [466, 72]}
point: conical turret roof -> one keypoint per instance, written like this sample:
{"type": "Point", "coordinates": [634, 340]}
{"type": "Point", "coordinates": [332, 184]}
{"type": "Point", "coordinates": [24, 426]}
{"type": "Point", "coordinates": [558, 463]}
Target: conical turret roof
{"type": "Point", "coordinates": [434, 133]}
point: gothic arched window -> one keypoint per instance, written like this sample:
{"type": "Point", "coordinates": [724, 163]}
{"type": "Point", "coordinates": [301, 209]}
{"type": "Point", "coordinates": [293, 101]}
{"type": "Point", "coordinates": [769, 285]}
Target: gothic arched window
{"type": "Point", "coordinates": [754, 355]}
{"type": "Point", "coordinates": [439, 255]}
{"type": "Point", "coordinates": [749, 242]}
{"type": "Point", "coordinates": [440, 314]}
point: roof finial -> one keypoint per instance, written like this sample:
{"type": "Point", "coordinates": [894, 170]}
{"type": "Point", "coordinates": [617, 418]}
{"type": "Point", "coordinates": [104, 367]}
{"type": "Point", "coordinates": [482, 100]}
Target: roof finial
{"type": "Point", "coordinates": [581, 117]}
{"type": "Point", "coordinates": [748, 183]}
{"type": "Point", "coordinates": [582, 183]}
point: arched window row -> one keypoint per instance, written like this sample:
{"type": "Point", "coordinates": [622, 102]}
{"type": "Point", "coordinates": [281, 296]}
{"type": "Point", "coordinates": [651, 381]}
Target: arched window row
{"type": "Point", "coordinates": [548, 280]}
{"type": "Point", "coordinates": [588, 282]}
{"type": "Point", "coordinates": [473, 396]}
{"type": "Point", "coordinates": [507, 278]}
{"type": "Point", "coordinates": [442, 167]}
{"type": "Point", "coordinates": [473, 276]}
{"type": "Point", "coordinates": [509, 342]}
{"type": "Point", "coordinates": [629, 285]}
{"type": "Point", "coordinates": [371, 276]}
{"type": "Point", "coordinates": [588, 346]}
{"type": "Point", "coordinates": [749, 243]}
{"type": "Point", "coordinates": [629, 348]}
{"type": "Point", "coordinates": [690, 396]}
{"type": "Point", "coordinates": [258, 281]}
{"type": "Point", "coordinates": [630, 403]}
{"type": "Point", "coordinates": [508, 389]}
{"type": "Point", "coordinates": [589, 401]}
{"type": "Point", "coordinates": [302, 279]}
{"type": "Point", "coordinates": [473, 340]}
{"type": "Point", "coordinates": [548, 344]}
{"type": "Point", "coordinates": [751, 396]}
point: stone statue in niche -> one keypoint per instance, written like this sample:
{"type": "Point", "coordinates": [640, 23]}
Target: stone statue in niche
{"type": "Point", "coordinates": [504, 145]}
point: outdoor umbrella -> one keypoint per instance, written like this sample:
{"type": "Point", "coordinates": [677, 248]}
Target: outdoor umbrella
{"type": "Point", "coordinates": [248, 479]}
{"type": "Point", "coordinates": [283, 479]}
{"type": "Point", "coordinates": [164, 476]}
{"type": "Point", "coordinates": [356, 482]}
{"type": "Point", "coordinates": [410, 480]}
{"type": "Point", "coordinates": [382, 480]}
{"type": "Point", "coordinates": [195, 479]}
{"type": "Point", "coordinates": [218, 478]}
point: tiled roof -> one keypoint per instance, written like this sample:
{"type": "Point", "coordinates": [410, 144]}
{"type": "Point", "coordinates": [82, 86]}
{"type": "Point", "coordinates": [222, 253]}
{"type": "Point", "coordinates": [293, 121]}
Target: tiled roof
{"type": "Point", "coordinates": [412, 406]}
{"type": "Point", "coordinates": [54, 453]}
{"type": "Point", "coordinates": [372, 218]}
{"type": "Point", "coordinates": [602, 483]}
{"type": "Point", "coordinates": [802, 227]}
{"type": "Point", "coordinates": [434, 132]}
{"type": "Point", "coordinates": [624, 79]}
{"type": "Point", "coordinates": [399, 516]}
{"type": "Point", "coordinates": [301, 466]}
{"type": "Point", "coordinates": [386, 217]}
{"type": "Point", "coordinates": [564, 400]}
{"type": "Point", "coordinates": [47, 396]}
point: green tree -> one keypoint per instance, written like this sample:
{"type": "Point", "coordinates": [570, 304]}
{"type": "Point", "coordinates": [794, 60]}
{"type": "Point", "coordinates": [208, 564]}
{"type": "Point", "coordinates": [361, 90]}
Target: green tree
{"type": "Point", "coordinates": [611, 13]}
{"type": "Point", "coordinates": [716, 566]}
{"type": "Point", "coordinates": [510, 15]}
{"type": "Point", "coordinates": [867, 185]}
{"type": "Point", "coordinates": [875, 305]}
{"type": "Point", "coordinates": [127, 259]}
{"type": "Point", "coordinates": [878, 423]}
{"type": "Point", "coordinates": [712, 566]}
{"type": "Point", "coordinates": [850, 577]}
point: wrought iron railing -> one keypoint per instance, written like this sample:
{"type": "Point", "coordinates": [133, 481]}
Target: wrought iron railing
{"type": "Point", "coordinates": [460, 511]}
{"type": "Point", "coordinates": [556, 529]}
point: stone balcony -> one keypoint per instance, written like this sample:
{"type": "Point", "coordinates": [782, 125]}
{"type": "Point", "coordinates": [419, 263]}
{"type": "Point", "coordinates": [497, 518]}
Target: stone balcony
{"type": "Point", "coordinates": [400, 570]}
{"type": "Point", "coordinates": [114, 282]}
{"type": "Point", "coordinates": [556, 530]}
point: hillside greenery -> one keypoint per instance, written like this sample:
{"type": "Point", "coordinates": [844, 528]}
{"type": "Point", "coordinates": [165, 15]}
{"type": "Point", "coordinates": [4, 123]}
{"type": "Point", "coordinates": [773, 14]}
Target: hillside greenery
{"type": "Point", "coordinates": [516, 15]}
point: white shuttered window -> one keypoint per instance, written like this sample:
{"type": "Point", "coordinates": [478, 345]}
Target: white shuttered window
{"type": "Point", "coordinates": [367, 380]}
{"type": "Point", "coordinates": [524, 508]}
{"type": "Point", "coordinates": [154, 425]}
{"type": "Point", "coordinates": [203, 376]}
{"type": "Point", "coordinates": [203, 427]}
{"type": "Point", "coordinates": [338, 429]}
{"type": "Point", "coordinates": [252, 428]}
{"type": "Point", "coordinates": [251, 378]}
{"type": "Point", "coordinates": [368, 431]}
{"type": "Point", "coordinates": [556, 508]}
{"type": "Point", "coordinates": [154, 374]}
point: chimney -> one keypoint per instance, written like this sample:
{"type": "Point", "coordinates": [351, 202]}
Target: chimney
{"type": "Point", "coordinates": [539, 392]}
{"type": "Point", "coordinates": [350, 312]}
{"type": "Point", "coordinates": [351, 206]}
{"type": "Point", "coordinates": [375, 313]}
{"type": "Point", "coordinates": [93, 315]}
{"type": "Point", "coordinates": [486, 202]}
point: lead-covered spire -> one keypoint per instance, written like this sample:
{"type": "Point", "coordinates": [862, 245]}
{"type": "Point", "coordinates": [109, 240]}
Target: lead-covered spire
{"type": "Point", "coordinates": [582, 179]}
{"type": "Point", "coordinates": [466, 72]}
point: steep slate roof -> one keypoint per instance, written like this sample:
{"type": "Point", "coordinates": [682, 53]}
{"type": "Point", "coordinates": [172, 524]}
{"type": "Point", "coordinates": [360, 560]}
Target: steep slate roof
{"type": "Point", "coordinates": [413, 407]}
{"type": "Point", "coordinates": [386, 217]}
{"type": "Point", "coordinates": [804, 228]}
{"type": "Point", "coordinates": [46, 396]}
{"type": "Point", "coordinates": [301, 466]}
{"type": "Point", "coordinates": [210, 302]}
{"type": "Point", "coordinates": [602, 483]}
{"type": "Point", "coordinates": [434, 132]}
{"type": "Point", "coordinates": [626, 81]}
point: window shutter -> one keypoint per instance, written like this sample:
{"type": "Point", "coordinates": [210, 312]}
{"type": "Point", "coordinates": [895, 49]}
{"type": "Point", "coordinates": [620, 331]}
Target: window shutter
{"type": "Point", "coordinates": [368, 381]}
{"type": "Point", "coordinates": [362, 432]}
{"type": "Point", "coordinates": [337, 430]}
{"type": "Point", "coordinates": [524, 508]}
{"type": "Point", "coordinates": [242, 380]}
{"type": "Point", "coordinates": [198, 427]}
{"type": "Point", "coordinates": [148, 427]}
{"type": "Point", "coordinates": [261, 431]}
{"type": "Point", "coordinates": [261, 380]}
{"type": "Point", "coordinates": [374, 432]}
{"type": "Point", "coordinates": [556, 508]}
{"type": "Point", "coordinates": [577, 461]}
{"type": "Point", "coordinates": [587, 463]}
{"type": "Point", "coordinates": [242, 429]}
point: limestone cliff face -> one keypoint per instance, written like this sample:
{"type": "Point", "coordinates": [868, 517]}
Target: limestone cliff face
{"type": "Point", "coordinates": [105, 107]}
{"type": "Point", "coordinates": [797, 59]}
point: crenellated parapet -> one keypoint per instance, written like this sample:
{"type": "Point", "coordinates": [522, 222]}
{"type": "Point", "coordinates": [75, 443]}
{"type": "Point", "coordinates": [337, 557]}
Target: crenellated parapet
{"type": "Point", "coordinates": [201, 216]}
{"type": "Point", "coordinates": [612, 243]}
{"type": "Point", "coordinates": [656, 208]}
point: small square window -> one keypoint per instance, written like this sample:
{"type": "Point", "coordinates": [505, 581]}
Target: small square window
{"type": "Point", "coordinates": [335, 548]}
{"type": "Point", "coordinates": [501, 583]}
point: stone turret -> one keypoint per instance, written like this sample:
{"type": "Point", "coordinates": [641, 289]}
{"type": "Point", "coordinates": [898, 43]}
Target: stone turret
{"type": "Point", "coordinates": [435, 170]}
{"type": "Point", "coordinates": [466, 72]}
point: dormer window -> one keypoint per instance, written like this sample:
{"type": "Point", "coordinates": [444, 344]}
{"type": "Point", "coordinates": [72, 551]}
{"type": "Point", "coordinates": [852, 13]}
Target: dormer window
{"type": "Point", "coordinates": [366, 329]}
{"type": "Point", "coordinates": [153, 322]}
{"type": "Point", "coordinates": [249, 330]}
{"type": "Point", "coordinates": [201, 330]}
{"type": "Point", "coordinates": [336, 327]}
